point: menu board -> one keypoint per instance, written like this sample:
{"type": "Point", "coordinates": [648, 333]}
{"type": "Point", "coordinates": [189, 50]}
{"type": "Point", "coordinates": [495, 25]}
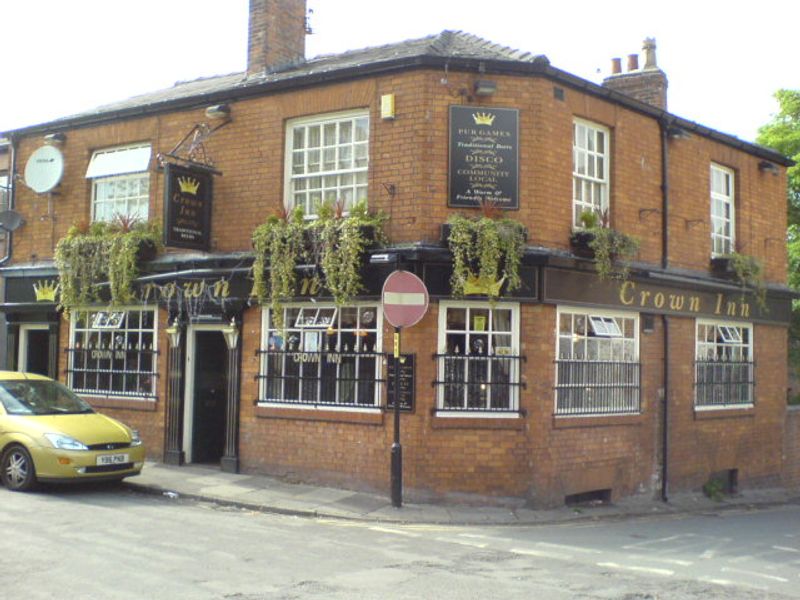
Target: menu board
{"type": "Point", "coordinates": [406, 382]}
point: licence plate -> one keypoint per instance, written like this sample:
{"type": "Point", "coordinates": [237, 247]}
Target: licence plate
{"type": "Point", "coordinates": [112, 459]}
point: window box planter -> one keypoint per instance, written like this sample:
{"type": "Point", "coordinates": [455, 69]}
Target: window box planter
{"type": "Point", "coordinates": [581, 243]}
{"type": "Point", "coordinates": [723, 266]}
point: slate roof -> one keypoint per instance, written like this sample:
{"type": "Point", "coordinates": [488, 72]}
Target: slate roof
{"type": "Point", "coordinates": [455, 48]}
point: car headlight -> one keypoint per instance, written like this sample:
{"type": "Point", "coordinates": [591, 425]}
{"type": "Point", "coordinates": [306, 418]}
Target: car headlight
{"type": "Point", "coordinates": [135, 439]}
{"type": "Point", "coordinates": [64, 442]}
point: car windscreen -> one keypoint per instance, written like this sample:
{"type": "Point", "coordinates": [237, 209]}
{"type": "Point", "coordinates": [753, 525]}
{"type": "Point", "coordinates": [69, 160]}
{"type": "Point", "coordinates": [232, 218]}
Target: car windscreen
{"type": "Point", "coordinates": [40, 397]}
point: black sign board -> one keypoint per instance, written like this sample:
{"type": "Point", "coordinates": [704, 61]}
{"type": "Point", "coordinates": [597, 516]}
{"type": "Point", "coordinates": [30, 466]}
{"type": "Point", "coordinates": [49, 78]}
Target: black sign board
{"type": "Point", "coordinates": [187, 207]}
{"type": "Point", "coordinates": [484, 156]}
{"type": "Point", "coordinates": [406, 382]}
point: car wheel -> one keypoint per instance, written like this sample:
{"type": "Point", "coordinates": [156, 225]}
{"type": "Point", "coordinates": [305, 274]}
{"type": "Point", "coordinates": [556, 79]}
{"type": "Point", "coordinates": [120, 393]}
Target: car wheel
{"type": "Point", "coordinates": [18, 473]}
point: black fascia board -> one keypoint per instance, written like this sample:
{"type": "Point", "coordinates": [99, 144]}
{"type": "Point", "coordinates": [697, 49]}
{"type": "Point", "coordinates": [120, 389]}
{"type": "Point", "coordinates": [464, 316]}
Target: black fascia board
{"type": "Point", "coordinates": [538, 66]}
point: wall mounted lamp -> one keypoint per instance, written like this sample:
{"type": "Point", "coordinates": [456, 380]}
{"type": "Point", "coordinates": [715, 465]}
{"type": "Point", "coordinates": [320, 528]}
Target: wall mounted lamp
{"type": "Point", "coordinates": [174, 334]}
{"type": "Point", "coordinates": [55, 138]}
{"type": "Point", "coordinates": [219, 111]}
{"type": "Point", "coordinates": [484, 87]}
{"type": "Point", "coordinates": [767, 167]}
{"type": "Point", "coordinates": [231, 333]}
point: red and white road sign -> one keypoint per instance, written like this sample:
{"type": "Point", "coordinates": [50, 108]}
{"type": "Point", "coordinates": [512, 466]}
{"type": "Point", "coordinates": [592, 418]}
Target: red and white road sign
{"type": "Point", "coordinates": [405, 299]}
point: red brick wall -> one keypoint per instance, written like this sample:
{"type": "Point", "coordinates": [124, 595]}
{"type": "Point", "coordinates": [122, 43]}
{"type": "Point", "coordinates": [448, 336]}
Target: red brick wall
{"type": "Point", "coordinates": [791, 449]}
{"type": "Point", "coordinates": [538, 455]}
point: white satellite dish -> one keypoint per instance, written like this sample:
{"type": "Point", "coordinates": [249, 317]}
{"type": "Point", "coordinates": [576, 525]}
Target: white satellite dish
{"type": "Point", "coordinates": [11, 220]}
{"type": "Point", "coordinates": [44, 169]}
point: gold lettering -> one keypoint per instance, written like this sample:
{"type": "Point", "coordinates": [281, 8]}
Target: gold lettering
{"type": "Point", "coordinates": [676, 302]}
{"type": "Point", "coordinates": [659, 300]}
{"type": "Point", "coordinates": [718, 308]}
{"type": "Point", "coordinates": [731, 307]}
{"type": "Point", "coordinates": [623, 293]}
{"type": "Point", "coordinates": [644, 297]}
{"type": "Point", "coordinates": [744, 309]}
{"type": "Point", "coordinates": [194, 289]}
{"type": "Point", "coordinates": [694, 304]}
{"type": "Point", "coordinates": [169, 290]}
{"type": "Point", "coordinates": [222, 288]}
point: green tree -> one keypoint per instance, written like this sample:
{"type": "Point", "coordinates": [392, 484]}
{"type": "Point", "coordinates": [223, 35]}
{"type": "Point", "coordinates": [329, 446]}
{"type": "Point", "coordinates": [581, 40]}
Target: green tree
{"type": "Point", "coordinates": [783, 134]}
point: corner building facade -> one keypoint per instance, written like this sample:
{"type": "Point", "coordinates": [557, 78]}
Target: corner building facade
{"type": "Point", "coordinates": [572, 386]}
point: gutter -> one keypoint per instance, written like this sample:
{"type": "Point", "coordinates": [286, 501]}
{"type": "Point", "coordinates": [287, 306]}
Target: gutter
{"type": "Point", "coordinates": [664, 130]}
{"type": "Point", "coordinates": [539, 66]}
{"type": "Point", "coordinates": [12, 186]}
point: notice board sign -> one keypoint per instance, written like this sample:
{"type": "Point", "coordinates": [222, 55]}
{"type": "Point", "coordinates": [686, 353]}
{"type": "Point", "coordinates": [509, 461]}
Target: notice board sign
{"type": "Point", "coordinates": [187, 207]}
{"type": "Point", "coordinates": [406, 382]}
{"type": "Point", "coordinates": [484, 157]}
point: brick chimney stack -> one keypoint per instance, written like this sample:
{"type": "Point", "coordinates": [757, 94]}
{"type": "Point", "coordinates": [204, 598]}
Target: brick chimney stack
{"type": "Point", "coordinates": [648, 84]}
{"type": "Point", "coordinates": [276, 35]}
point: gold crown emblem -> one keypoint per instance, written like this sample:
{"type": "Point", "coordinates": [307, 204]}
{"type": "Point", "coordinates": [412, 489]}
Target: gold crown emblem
{"type": "Point", "coordinates": [476, 286]}
{"type": "Point", "coordinates": [189, 185]}
{"type": "Point", "coordinates": [45, 290]}
{"type": "Point", "coordinates": [483, 118]}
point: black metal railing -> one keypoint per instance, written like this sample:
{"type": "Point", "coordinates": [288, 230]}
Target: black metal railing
{"type": "Point", "coordinates": [327, 377]}
{"type": "Point", "coordinates": [478, 382]}
{"type": "Point", "coordinates": [597, 387]}
{"type": "Point", "coordinates": [724, 383]}
{"type": "Point", "coordinates": [113, 371]}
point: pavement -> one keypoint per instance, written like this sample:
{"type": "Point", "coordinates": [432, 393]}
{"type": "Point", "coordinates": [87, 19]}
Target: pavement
{"type": "Point", "coordinates": [273, 495]}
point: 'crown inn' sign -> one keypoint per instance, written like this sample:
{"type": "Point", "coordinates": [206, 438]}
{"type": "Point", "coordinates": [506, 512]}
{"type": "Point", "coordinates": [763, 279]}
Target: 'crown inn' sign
{"type": "Point", "coordinates": [187, 207]}
{"type": "Point", "coordinates": [484, 157]}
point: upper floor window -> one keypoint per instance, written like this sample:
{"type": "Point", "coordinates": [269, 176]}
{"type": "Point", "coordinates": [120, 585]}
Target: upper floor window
{"type": "Point", "coordinates": [326, 160]}
{"type": "Point", "coordinates": [722, 215]}
{"type": "Point", "coordinates": [323, 355]}
{"type": "Point", "coordinates": [590, 184]}
{"type": "Point", "coordinates": [724, 369]}
{"type": "Point", "coordinates": [113, 353]}
{"type": "Point", "coordinates": [478, 360]}
{"type": "Point", "coordinates": [597, 370]}
{"type": "Point", "coordinates": [120, 182]}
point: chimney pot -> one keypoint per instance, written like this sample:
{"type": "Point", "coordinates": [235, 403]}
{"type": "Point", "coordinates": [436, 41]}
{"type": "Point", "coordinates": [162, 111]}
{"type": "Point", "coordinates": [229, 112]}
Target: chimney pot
{"type": "Point", "coordinates": [633, 62]}
{"type": "Point", "coordinates": [649, 49]}
{"type": "Point", "coordinates": [616, 66]}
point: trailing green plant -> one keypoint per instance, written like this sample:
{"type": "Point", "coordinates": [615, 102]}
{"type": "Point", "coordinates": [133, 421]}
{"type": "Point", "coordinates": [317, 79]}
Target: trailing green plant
{"type": "Point", "coordinates": [749, 274]}
{"type": "Point", "coordinates": [611, 248]}
{"type": "Point", "coordinates": [338, 243]}
{"type": "Point", "coordinates": [278, 245]}
{"type": "Point", "coordinates": [485, 250]}
{"type": "Point", "coordinates": [91, 257]}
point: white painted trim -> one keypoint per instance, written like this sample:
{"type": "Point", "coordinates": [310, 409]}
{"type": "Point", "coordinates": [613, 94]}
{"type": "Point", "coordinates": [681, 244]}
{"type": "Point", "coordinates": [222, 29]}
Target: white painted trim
{"type": "Point", "coordinates": [22, 345]}
{"type": "Point", "coordinates": [188, 388]}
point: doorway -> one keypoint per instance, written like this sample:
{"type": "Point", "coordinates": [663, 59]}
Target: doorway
{"type": "Point", "coordinates": [205, 401]}
{"type": "Point", "coordinates": [34, 349]}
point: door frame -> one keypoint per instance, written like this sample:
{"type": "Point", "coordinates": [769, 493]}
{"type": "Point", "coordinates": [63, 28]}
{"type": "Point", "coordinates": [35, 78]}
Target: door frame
{"type": "Point", "coordinates": [22, 343]}
{"type": "Point", "coordinates": [188, 388]}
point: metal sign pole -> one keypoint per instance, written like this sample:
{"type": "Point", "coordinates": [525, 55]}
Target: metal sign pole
{"type": "Point", "coordinates": [397, 448]}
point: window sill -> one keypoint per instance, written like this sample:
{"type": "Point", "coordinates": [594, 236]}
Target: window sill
{"type": "Point", "coordinates": [309, 412]}
{"type": "Point", "coordinates": [577, 421]}
{"type": "Point", "coordinates": [140, 404]}
{"type": "Point", "coordinates": [461, 420]}
{"type": "Point", "coordinates": [724, 412]}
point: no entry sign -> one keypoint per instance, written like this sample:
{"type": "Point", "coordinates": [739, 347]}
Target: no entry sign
{"type": "Point", "coordinates": [405, 299]}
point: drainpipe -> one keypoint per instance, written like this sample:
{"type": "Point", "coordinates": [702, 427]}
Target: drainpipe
{"type": "Point", "coordinates": [664, 127]}
{"type": "Point", "coordinates": [12, 186]}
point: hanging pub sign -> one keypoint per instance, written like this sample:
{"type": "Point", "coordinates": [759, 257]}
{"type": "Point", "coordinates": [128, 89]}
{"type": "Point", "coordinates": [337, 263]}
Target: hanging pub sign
{"type": "Point", "coordinates": [484, 157]}
{"type": "Point", "coordinates": [187, 207]}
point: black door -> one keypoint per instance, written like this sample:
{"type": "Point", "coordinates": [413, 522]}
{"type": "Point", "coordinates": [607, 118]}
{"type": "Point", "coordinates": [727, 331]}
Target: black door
{"type": "Point", "coordinates": [37, 351]}
{"type": "Point", "coordinates": [210, 386]}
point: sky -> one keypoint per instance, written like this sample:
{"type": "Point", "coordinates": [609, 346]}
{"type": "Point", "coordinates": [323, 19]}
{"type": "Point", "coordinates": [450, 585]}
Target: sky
{"type": "Point", "coordinates": [724, 60]}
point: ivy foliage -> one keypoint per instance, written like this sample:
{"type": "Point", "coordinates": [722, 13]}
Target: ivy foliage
{"type": "Point", "coordinates": [92, 258]}
{"type": "Point", "coordinates": [488, 250]}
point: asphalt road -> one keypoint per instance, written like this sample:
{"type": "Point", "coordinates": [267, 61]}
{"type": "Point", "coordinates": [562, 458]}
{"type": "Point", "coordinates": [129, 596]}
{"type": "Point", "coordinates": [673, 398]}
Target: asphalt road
{"type": "Point", "coordinates": [103, 543]}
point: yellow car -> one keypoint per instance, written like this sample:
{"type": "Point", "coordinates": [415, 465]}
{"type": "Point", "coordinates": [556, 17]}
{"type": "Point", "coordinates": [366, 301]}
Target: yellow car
{"type": "Point", "coordinates": [48, 434]}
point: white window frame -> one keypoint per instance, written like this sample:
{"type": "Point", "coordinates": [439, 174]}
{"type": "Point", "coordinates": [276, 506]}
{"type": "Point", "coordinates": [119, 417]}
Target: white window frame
{"type": "Point", "coordinates": [128, 346]}
{"type": "Point", "coordinates": [609, 340]}
{"type": "Point", "coordinates": [326, 185]}
{"type": "Point", "coordinates": [723, 227]}
{"type": "Point", "coordinates": [313, 342]}
{"type": "Point", "coordinates": [490, 333]}
{"type": "Point", "coordinates": [121, 167]}
{"type": "Point", "coordinates": [587, 160]}
{"type": "Point", "coordinates": [730, 348]}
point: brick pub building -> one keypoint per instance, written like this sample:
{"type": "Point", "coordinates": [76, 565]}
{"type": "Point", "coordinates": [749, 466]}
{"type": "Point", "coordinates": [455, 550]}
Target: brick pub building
{"type": "Point", "coordinates": [571, 386]}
